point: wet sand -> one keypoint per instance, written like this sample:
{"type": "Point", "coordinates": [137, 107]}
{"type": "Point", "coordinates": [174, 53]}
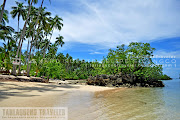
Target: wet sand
{"type": "Point", "coordinates": [30, 94]}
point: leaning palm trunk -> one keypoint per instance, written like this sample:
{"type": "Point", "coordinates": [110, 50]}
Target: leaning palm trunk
{"type": "Point", "coordinates": [30, 56]}
{"type": "Point", "coordinates": [2, 11]}
{"type": "Point", "coordinates": [27, 52]}
{"type": "Point", "coordinates": [47, 46]}
{"type": "Point", "coordinates": [18, 21]}
{"type": "Point", "coordinates": [37, 23]}
{"type": "Point", "coordinates": [19, 70]}
{"type": "Point", "coordinates": [21, 38]}
{"type": "Point", "coordinates": [46, 49]}
{"type": "Point", "coordinates": [29, 66]}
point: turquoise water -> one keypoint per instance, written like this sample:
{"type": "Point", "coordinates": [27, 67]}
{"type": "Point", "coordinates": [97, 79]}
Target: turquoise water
{"type": "Point", "coordinates": [171, 98]}
{"type": "Point", "coordinates": [127, 104]}
{"type": "Point", "coordinates": [146, 103]}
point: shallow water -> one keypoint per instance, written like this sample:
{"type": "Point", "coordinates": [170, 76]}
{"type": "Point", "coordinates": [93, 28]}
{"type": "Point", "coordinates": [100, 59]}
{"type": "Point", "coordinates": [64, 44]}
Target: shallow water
{"type": "Point", "coordinates": [123, 104]}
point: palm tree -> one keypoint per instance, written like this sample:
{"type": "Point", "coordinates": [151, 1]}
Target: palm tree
{"type": "Point", "coordinates": [30, 1]}
{"type": "Point", "coordinates": [59, 41]}
{"type": "Point", "coordinates": [44, 46]}
{"type": "Point", "coordinates": [2, 11]}
{"type": "Point", "coordinates": [9, 45]}
{"type": "Point", "coordinates": [5, 17]}
{"type": "Point", "coordinates": [23, 33]}
{"type": "Point", "coordinates": [5, 32]}
{"type": "Point", "coordinates": [56, 23]}
{"type": "Point", "coordinates": [61, 58]}
{"type": "Point", "coordinates": [18, 11]}
{"type": "Point", "coordinates": [42, 21]}
{"type": "Point", "coordinates": [34, 35]}
{"type": "Point", "coordinates": [52, 50]}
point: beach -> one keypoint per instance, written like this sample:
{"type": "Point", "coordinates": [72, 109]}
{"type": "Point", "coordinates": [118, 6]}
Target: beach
{"type": "Point", "coordinates": [86, 102]}
{"type": "Point", "coordinates": [32, 94]}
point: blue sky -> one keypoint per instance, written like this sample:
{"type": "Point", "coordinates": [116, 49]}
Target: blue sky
{"type": "Point", "coordinates": [91, 27]}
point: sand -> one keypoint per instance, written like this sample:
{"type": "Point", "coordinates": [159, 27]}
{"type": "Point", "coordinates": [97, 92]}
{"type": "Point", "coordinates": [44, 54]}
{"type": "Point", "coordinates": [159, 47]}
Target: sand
{"type": "Point", "coordinates": [31, 94]}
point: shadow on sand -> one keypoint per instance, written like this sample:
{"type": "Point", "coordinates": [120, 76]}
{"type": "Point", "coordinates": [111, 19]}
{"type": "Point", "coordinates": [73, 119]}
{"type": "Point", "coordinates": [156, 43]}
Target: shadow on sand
{"type": "Point", "coordinates": [13, 89]}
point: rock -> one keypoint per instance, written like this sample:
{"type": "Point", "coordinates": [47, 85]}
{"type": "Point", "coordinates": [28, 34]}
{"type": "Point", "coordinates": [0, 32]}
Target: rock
{"type": "Point", "coordinates": [138, 84]}
{"type": "Point", "coordinates": [159, 84]}
{"type": "Point", "coordinates": [90, 82]}
{"type": "Point", "coordinates": [122, 80]}
{"type": "Point", "coordinates": [104, 76]}
{"type": "Point", "coordinates": [109, 85]}
{"type": "Point", "coordinates": [146, 85]}
{"type": "Point", "coordinates": [112, 77]}
{"type": "Point", "coordinates": [119, 81]}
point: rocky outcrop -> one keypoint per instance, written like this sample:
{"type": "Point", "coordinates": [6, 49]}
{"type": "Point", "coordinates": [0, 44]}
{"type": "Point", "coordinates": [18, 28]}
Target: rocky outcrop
{"type": "Point", "coordinates": [121, 80]}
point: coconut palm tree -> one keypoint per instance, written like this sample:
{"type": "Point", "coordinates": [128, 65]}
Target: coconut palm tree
{"type": "Point", "coordinates": [9, 46]}
{"type": "Point", "coordinates": [61, 58]}
{"type": "Point", "coordinates": [59, 41]}
{"type": "Point", "coordinates": [5, 17]}
{"type": "Point", "coordinates": [5, 32]}
{"type": "Point", "coordinates": [56, 23]}
{"type": "Point", "coordinates": [52, 50]}
{"type": "Point", "coordinates": [44, 46]}
{"type": "Point", "coordinates": [23, 33]}
{"type": "Point", "coordinates": [18, 11]}
{"type": "Point", "coordinates": [2, 11]}
{"type": "Point", "coordinates": [40, 9]}
{"type": "Point", "coordinates": [42, 21]}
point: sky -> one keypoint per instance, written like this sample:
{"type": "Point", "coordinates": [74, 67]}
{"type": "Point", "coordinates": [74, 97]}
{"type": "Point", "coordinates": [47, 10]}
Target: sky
{"type": "Point", "coordinates": [91, 27]}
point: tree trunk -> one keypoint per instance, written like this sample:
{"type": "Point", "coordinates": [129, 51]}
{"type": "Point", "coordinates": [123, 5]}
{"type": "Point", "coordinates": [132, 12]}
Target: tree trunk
{"type": "Point", "coordinates": [21, 38]}
{"type": "Point", "coordinates": [28, 66]}
{"type": "Point", "coordinates": [47, 47]}
{"type": "Point", "coordinates": [2, 11]}
{"type": "Point", "coordinates": [18, 21]}
{"type": "Point", "coordinates": [46, 50]}
{"type": "Point", "coordinates": [19, 70]}
{"type": "Point", "coordinates": [27, 51]}
{"type": "Point", "coordinates": [37, 23]}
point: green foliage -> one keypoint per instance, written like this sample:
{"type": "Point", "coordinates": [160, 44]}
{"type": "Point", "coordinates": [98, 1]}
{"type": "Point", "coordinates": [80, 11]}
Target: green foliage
{"type": "Point", "coordinates": [76, 77]}
{"type": "Point", "coordinates": [53, 69]}
{"type": "Point", "coordinates": [165, 77]}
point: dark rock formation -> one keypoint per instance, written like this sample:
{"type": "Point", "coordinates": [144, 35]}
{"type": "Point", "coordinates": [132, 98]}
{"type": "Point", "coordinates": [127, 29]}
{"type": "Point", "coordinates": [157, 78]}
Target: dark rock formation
{"type": "Point", "coordinates": [121, 80]}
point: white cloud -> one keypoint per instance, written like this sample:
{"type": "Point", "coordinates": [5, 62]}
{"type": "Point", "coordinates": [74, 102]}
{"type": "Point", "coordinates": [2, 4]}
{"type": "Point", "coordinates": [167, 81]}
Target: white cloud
{"type": "Point", "coordinates": [166, 54]}
{"type": "Point", "coordinates": [107, 23]}
{"type": "Point", "coordinates": [96, 53]}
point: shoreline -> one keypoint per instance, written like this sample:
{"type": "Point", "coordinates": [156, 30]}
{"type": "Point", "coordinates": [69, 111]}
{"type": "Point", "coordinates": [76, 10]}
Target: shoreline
{"type": "Point", "coordinates": [35, 94]}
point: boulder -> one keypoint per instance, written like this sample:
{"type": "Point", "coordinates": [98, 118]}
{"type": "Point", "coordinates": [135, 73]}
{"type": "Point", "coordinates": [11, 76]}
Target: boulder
{"type": "Point", "coordinates": [119, 81]}
{"type": "Point", "coordinates": [104, 76]}
{"type": "Point", "coordinates": [111, 77]}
